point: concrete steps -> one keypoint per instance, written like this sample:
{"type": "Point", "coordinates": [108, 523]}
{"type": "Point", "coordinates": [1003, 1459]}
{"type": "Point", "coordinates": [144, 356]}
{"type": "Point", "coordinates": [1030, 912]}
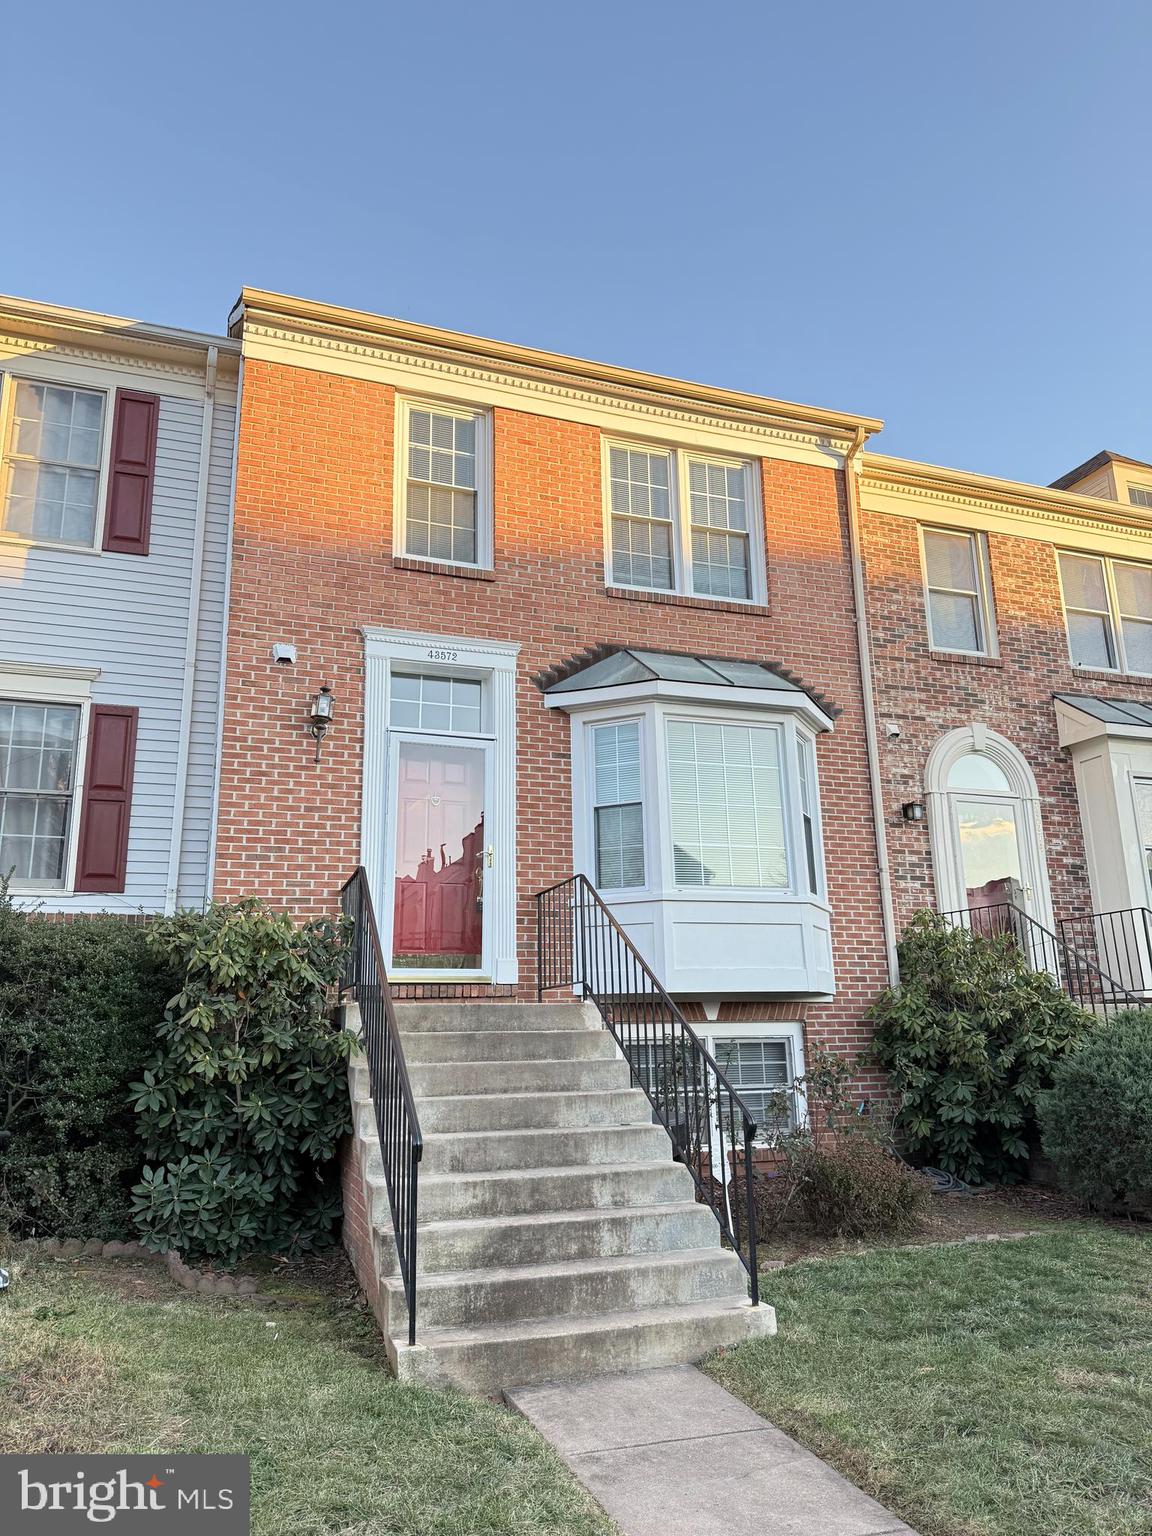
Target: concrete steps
{"type": "Point", "coordinates": [557, 1237]}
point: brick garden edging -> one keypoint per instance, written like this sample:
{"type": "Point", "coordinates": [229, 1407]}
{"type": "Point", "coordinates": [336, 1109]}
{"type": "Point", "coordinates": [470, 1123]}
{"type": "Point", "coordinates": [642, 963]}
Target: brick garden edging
{"type": "Point", "coordinates": [203, 1281]}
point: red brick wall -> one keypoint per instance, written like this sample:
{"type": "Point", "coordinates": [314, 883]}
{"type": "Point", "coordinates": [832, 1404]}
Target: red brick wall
{"type": "Point", "coordinates": [929, 694]}
{"type": "Point", "coordinates": [313, 563]}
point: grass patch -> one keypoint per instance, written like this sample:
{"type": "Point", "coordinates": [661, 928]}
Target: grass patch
{"type": "Point", "coordinates": [992, 1389]}
{"type": "Point", "coordinates": [112, 1357]}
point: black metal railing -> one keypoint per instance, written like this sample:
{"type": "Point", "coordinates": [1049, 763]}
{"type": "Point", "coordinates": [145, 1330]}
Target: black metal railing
{"type": "Point", "coordinates": [580, 944]}
{"type": "Point", "coordinates": [1119, 943]}
{"type": "Point", "coordinates": [397, 1124]}
{"type": "Point", "coordinates": [1085, 981]}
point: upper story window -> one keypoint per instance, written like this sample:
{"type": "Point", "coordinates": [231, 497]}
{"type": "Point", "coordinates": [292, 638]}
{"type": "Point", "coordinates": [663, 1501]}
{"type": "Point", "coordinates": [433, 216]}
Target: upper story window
{"type": "Point", "coordinates": [1108, 612]}
{"type": "Point", "coordinates": [51, 469]}
{"type": "Point", "coordinates": [682, 522]}
{"type": "Point", "coordinates": [37, 780]}
{"type": "Point", "coordinates": [444, 503]}
{"type": "Point", "coordinates": [1140, 495]}
{"type": "Point", "coordinates": [958, 589]}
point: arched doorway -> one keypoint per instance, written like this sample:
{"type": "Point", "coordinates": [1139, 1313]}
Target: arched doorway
{"type": "Point", "coordinates": [984, 825]}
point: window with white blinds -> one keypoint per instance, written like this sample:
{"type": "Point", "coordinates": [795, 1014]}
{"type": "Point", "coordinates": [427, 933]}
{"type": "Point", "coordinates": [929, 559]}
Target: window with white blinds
{"type": "Point", "coordinates": [618, 806]}
{"type": "Point", "coordinates": [726, 805]}
{"type": "Point", "coordinates": [443, 493]}
{"type": "Point", "coordinates": [762, 1073]}
{"type": "Point", "coordinates": [958, 591]}
{"type": "Point", "coordinates": [1108, 612]}
{"type": "Point", "coordinates": [680, 523]}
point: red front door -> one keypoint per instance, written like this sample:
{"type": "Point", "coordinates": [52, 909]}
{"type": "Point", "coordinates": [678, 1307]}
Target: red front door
{"type": "Point", "coordinates": [439, 874]}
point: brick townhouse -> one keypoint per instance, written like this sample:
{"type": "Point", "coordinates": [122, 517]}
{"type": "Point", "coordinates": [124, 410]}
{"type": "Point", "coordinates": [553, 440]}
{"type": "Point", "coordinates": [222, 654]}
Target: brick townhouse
{"type": "Point", "coordinates": [572, 618]}
{"type": "Point", "coordinates": [1011, 631]}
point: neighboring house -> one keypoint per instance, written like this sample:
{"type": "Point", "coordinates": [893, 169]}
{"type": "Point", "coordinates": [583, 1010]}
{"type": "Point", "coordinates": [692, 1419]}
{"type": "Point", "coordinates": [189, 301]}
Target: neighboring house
{"type": "Point", "coordinates": [573, 617]}
{"type": "Point", "coordinates": [116, 448]}
{"type": "Point", "coordinates": [1011, 628]}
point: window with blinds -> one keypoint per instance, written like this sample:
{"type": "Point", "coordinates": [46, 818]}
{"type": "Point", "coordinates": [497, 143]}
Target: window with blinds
{"type": "Point", "coordinates": [958, 596]}
{"type": "Point", "coordinates": [726, 805]}
{"type": "Point", "coordinates": [1107, 612]}
{"type": "Point", "coordinates": [618, 806]}
{"type": "Point", "coordinates": [762, 1073]}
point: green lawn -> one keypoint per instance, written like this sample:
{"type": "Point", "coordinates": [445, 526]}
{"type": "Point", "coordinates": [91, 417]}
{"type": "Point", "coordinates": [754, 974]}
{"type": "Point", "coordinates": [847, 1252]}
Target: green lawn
{"type": "Point", "coordinates": [113, 1357]}
{"type": "Point", "coordinates": [991, 1389]}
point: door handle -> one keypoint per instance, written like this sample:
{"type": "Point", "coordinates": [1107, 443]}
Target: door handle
{"type": "Point", "coordinates": [491, 852]}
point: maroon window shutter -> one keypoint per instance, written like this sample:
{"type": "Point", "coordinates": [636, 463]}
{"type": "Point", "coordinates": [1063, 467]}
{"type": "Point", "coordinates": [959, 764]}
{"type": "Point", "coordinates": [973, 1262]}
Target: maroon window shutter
{"type": "Point", "coordinates": [102, 862]}
{"type": "Point", "coordinates": [133, 470]}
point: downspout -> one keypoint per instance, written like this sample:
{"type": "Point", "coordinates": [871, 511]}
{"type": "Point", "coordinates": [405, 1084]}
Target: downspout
{"type": "Point", "coordinates": [852, 467]}
{"type": "Point", "coordinates": [218, 745]}
{"type": "Point", "coordinates": [195, 600]}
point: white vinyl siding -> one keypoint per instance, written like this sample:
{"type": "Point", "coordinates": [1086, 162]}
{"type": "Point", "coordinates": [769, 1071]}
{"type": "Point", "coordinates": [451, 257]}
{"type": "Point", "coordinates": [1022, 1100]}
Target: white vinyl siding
{"type": "Point", "coordinates": [444, 493]}
{"type": "Point", "coordinates": [1108, 612]}
{"type": "Point", "coordinates": [129, 616]}
{"type": "Point", "coordinates": [681, 522]}
{"type": "Point", "coordinates": [618, 808]}
{"type": "Point", "coordinates": [958, 591]}
{"type": "Point", "coordinates": [726, 805]}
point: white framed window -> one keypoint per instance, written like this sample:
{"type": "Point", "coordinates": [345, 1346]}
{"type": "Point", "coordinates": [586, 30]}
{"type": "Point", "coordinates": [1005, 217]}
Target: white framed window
{"type": "Point", "coordinates": [958, 591]}
{"type": "Point", "coordinates": [618, 806]}
{"type": "Point", "coordinates": [1140, 495]}
{"type": "Point", "coordinates": [54, 461]}
{"type": "Point", "coordinates": [682, 522]}
{"type": "Point", "coordinates": [810, 831]}
{"type": "Point", "coordinates": [726, 805]}
{"type": "Point", "coordinates": [427, 701]}
{"type": "Point", "coordinates": [763, 1062]}
{"type": "Point", "coordinates": [39, 780]}
{"type": "Point", "coordinates": [1107, 612]}
{"type": "Point", "coordinates": [443, 489]}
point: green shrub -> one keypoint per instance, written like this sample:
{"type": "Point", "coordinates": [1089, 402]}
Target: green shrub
{"type": "Point", "coordinates": [244, 1105]}
{"type": "Point", "coordinates": [1096, 1121]}
{"type": "Point", "coordinates": [969, 1042]}
{"type": "Point", "coordinates": [79, 1005]}
{"type": "Point", "coordinates": [851, 1186]}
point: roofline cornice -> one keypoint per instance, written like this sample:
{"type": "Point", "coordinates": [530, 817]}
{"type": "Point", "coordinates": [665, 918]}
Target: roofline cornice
{"type": "Point", "coordinates": [925, 480]}
{"type": "Point", "coordinates": [312, 318]}
{"type": "Point", "coordinates": [82, 328]}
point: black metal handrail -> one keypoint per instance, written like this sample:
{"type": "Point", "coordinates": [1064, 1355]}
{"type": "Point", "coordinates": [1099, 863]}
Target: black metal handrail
{"type": "Point", "coordinates": [1085, 982]}
{"type": "Point", "coordinates": [580, 944]}
{"type": "Point", "coordinates": [397, 1124]}
{"type": "Point", "coordinates": [1120, 943]}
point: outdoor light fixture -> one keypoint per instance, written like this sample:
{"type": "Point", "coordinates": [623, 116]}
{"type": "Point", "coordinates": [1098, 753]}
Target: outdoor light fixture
{"type": "Point", "coordinates": [912, 810]}
{"type": "Point", "coordinates": [321, 717]}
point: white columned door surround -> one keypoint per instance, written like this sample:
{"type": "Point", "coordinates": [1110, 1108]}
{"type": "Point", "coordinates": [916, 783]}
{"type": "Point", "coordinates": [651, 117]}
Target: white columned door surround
{"type": "Point", "coordinates": [943, 833]}
{"type": "Point", "coordinates": [494, 664]}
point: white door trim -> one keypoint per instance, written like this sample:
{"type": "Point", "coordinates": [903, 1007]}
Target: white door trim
{"type": "Point", "coordinates": [494, 661]}
{"type": "Point", "coordinates": [951, 894]}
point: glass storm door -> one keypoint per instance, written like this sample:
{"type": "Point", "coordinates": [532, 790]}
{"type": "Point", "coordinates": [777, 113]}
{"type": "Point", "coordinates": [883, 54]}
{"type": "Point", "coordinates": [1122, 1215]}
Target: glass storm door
{"type": "Point", "coordinates": [438, 854]}
{"type": "Point", "coordinates": [990, 859]}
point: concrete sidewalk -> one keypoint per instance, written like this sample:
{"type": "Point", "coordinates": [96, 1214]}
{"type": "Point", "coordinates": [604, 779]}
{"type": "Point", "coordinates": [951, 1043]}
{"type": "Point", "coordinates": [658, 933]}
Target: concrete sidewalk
{"type": "Point", "coordinates": [671, 1453]}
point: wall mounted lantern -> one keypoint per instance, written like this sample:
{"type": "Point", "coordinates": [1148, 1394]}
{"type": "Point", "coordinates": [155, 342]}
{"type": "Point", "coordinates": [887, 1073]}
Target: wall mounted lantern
{"type": "Point", "coordinates": [321, 717]}
{"type": "Point", "coordinates": [912, 810]}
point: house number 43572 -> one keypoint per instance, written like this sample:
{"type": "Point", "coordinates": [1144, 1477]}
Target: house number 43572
{"type": "Point", "coordinates": [435, 655]}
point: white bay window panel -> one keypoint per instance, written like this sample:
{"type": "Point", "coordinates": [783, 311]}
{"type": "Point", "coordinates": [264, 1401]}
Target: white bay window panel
{"type": "Point", "coordinates": [38, 744]}
{"type": "Point", "coordinates": [806, 777]}
{"type": "Point", "coordinates": [957, 596]}
{"type": "Point", "coordinates": [726, 805]}
{"type": "Point", "coordinates": [618, 809]}
{"type": "Point", "coordinates": [441, 496]}
{"type": "Point", "coordinates": [52, 463]}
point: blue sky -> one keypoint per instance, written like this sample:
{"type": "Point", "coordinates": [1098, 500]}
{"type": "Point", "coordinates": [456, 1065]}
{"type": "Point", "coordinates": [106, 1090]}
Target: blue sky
{"type": "Point", "coordinates": [939, 214]}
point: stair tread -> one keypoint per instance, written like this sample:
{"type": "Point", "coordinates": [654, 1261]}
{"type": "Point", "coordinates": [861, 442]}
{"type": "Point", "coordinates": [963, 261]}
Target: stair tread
{"type": "Point", "coordinates": [542, 1130]}
{"type": "Point", "coordinates": [547, 1218]}
{"type": "Point", "coordinates": [586, 1322]}
{"type": "Point", "coordinates": [529, 1093]}
{"type": "Point", "coordinates": [567, 1169]}
{"type": "Point", "coordinates": [558, 1268]}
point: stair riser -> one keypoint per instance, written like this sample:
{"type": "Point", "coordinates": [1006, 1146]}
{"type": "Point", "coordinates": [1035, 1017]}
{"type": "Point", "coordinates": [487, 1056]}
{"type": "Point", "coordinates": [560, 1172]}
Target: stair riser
{"type": "Point", "coordinates": [536, 1111]}
{"type": "Point", "coordinates": [600, 1236]}
{"type": "Point", "coordinates": [477, 1302]}
{"type": "Point", "coordinates": [545, 1149]}
{"type": "Point", "coordinates": [477, 1018]}
{"type": "Point", "coordinates": [519, 1194]}
{"type": "Point", "coordinates": [510, 1045]}
{"type": "Point", "coordinates": [489, 1366]}
{"type": "Point", "coordinates": [472, 1077]}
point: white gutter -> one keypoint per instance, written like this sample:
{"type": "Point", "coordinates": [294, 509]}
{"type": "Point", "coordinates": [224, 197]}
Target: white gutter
{"type": "Point", "coordinates": [218, 746]}
{"type": "Point", "coordinates": [195, 602]}
{"type": "Point", "coordinates": [852, 469]}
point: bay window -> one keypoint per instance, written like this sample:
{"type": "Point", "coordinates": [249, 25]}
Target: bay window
{"type": "Point", "coordinates": [618, 810]}
{"type": "Point", "coordinates": [726, 805]}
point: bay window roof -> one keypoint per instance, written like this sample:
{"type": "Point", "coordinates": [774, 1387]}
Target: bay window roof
{"type": "Point", "coordinates": [617, 671]}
